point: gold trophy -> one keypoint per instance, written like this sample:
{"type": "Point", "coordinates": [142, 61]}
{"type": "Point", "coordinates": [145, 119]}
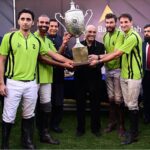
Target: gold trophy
{"type": "Point", "coordinates": [74, 24]}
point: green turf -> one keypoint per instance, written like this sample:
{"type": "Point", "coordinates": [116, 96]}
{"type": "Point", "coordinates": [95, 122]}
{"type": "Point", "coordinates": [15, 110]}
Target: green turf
{"type": "Point", "coordinates": [88, 141]}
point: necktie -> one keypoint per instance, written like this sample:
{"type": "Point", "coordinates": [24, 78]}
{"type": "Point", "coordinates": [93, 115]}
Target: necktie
{"type": "Point", "coordinates": [148, 58]}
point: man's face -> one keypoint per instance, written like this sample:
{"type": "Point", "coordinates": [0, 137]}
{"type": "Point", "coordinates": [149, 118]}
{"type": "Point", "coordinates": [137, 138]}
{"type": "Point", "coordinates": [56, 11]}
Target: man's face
{"type": "Point", "coordinates": [125, 24]}
{"type": "Point", "coordinates": [110, 24]}
{"type": "Point", "coordinates": [90, 34]}
{"type": "Point", "coordinates": [53, 28]}
{"type": "Point", "coordinates": [43, 24]}
{"type": "Point", "coordinates": [25, 21]}
{"type": "Point", "coordinates": [147, 34]}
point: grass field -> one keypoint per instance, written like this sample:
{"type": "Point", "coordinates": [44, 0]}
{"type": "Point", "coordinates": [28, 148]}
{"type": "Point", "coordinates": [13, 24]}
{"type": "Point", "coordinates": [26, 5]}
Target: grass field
{"type": "Point", "coordinates": [88, 141]}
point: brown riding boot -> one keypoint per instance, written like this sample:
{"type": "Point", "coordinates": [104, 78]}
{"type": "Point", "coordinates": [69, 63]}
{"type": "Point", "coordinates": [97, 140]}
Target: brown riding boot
{"type": "Point", "coordinates": [112, 118]}
{"type": "Point", "coordinates": [120, 112]}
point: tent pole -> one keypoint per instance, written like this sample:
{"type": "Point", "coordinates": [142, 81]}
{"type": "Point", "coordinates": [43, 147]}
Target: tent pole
{"type": "Point", "coordinates": [14, 11]}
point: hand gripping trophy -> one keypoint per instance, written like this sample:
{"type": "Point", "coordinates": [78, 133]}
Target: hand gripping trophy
{"type": "Point", "coordinates": [74, 24]}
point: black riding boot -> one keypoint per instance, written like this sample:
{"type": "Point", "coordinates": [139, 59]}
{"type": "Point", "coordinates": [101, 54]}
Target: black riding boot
{"type": "Point", "coordinates": [132, 135]}
{"type": "Point", "coordinates": [27, 128]}
{"type": "Point", "coordinates": [44, 125]}
{"type": "Point", "coordinates": [6, 129]}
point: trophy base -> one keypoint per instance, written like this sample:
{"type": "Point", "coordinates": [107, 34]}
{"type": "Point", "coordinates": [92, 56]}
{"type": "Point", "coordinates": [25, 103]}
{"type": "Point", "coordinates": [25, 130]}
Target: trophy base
{"type": "Point", "coordinates": [80, 56]}
{"type": "Point", "coordinates": [76, 64]}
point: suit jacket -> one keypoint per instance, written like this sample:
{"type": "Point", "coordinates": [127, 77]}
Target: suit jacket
{"type": "Point", "coordinates": [144, 55]}
{"type": "Point", "coordinates": [0, 40]}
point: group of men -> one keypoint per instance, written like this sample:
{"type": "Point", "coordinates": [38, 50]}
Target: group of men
{"type": "Point", "coordinates": [29, 75]}
{"type": "Point", "coordinates": [20, 51]}
{"type": "Point", "coordinates": [124, 76]}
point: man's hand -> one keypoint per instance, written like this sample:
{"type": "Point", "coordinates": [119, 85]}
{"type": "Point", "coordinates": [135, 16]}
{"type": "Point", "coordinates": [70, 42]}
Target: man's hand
{"type": "Point", "coordinates": [68, 65]}
{"type": "Point", "coordinates": [93, 63]}
{"type": "Point", "coordinates": [93, 57]}
{"type": "Point", "coordinates": [66, 38]}
{"type": "Point", "coordinates": [3, 90]}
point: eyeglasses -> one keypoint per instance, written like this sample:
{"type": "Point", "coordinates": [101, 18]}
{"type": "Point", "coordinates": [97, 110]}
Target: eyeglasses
{"type": "Point", "coordinates": [147, 31]}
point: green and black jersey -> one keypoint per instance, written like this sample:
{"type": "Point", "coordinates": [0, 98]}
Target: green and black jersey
{"type": "Point", "coordinates": [22, 58]}
{"type": "Point", "coordinates": [113, 41]}
{"type": "Point", "coordinates": [45, 72]}
{"type": "Point", "coordinates": [131, 67]}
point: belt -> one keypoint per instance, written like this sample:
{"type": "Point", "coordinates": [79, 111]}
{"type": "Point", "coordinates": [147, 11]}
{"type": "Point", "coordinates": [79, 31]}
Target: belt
{"type": "Point", "coordinates": [22, 80]}
{"type": "Point", "coordinates": [25, 80]}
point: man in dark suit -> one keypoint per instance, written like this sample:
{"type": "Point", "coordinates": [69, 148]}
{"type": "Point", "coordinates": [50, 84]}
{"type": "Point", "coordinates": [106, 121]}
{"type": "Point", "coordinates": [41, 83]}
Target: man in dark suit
{"type": "Point", "coordinates": [1, 97]}
{"type": "Point", "coordinates": [60, 44]}
{"type": "Point", "coordinates": [89, 84]}
{"type": "Point", "coordinates": [0, 39]}
{"type": "Point", "coordinates": [146, 78]}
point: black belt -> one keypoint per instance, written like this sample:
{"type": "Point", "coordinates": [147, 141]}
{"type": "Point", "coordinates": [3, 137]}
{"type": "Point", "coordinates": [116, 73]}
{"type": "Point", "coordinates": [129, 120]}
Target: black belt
{"type": "Point", "coordinates": [25, 80]}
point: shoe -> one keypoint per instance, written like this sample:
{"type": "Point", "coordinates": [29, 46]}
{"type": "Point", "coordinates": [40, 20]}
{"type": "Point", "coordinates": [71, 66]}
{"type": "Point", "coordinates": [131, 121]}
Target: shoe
{"type": "Point", "coordinates": [57, 129]}
{"type": "Point", "coordinates": [129, 138]}
{"type": "Point", "coordinates": [110, 128]}
{"type": "Point", "coordinates": [121, 131]}
{"type": "Point", "coordinates": [49, 140]}
{"type": "Point", "coordinates": [97, 134]}
{"type": "Point", "coordinates": [146, 121]}
{"type": "Point", "coordinates": [79, 133]}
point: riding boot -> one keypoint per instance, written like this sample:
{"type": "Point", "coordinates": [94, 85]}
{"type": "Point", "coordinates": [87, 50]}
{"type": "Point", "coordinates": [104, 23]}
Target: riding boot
{"type": "Point", "coordinates": [27, 128]}
{"type": "Point", "coordinates": [6, 129]}
{"type": "Point", "coordinates": [112, 118]}
{"type": "Point", "coordinates": [45, 137]}
{"type": "Point", "coordinates": [132, 135]}
{"type": "Point", "coordinates": [120, 116]}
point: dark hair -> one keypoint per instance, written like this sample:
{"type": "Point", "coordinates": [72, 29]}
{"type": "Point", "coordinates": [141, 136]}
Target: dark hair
{"type": "Point", "coordinates": [43, 15]}
{"type": "Point", "coordinates": [110, 15]}
{"type": "Point", "coordinates": [26, 10]}
{"type": "Point", "coordinates": [54, 20]}
{"type": "Point", "coordinates": [125, 15]}
{"type": "Point", "coordinates": [146, 26]}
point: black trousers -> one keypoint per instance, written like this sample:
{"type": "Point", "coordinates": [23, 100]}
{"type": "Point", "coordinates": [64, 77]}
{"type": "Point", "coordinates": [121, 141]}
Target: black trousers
{"type": "Point", "coordinates": [57, 104]}
{"type": "Point", "coordinates": [57, 94]}
{"type": "Point", "coordinates": [146, 95]}
{"type": "Point", "coordinates": [89, 90]}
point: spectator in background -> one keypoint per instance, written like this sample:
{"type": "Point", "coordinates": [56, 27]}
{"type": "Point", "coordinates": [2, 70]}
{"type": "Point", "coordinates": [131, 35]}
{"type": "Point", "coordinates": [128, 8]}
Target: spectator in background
{"type": "Point", "coordinates": [146, 78]}
{"type": "Point", "coordinates": [89, 82]}
{"type": "Point", "coordinates": [113, 39]}
{"type": "Point", "coordinates": [1, 97]}
{"type": "Point", "coordinates": [0, 40]}
{"type": "Point", "coordinates": [60, 44]}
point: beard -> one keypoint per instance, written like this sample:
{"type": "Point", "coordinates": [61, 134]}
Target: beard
{"type": "Point", "coordinates": [110, 29]}
{"type": "Point", "coordinates": [43, 29]}
{"type": "Point", "coordinates": [147, 39]}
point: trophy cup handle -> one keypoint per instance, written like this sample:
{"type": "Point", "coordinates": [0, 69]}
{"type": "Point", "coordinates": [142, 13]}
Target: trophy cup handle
{"type": "Point", "coordinates": [59, 21]}
{"type": "Point", "coordinates": [91, 14]}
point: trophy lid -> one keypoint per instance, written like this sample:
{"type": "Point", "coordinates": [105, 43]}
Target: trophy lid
{"type": "Point", "coordinates": [72, 5]}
